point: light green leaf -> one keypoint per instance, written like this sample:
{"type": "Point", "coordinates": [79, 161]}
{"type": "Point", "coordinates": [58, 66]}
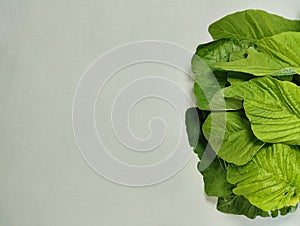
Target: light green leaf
{"type": "Point", "coordinates": [217, 51]}
{"type": "Point", "coordinates": [277, 56]}
{"type": "Point", "coordinates": [239, 205]}
{"type": "Point", "coordinates": [271, 180]}
{"type": "Point", "coordinates": [206, 86]}
{"type": "Point", "coordinates": [251, 25]}
{"type": "Point", "coordinates": [219, 102]}
{"type": "Point", "coordinates": [208, 79]}
{"type": "Point", "coordinates": [230, 132]}
{"type": "Point", "coordinates": [272, 107]}
{"type": "Point", "coordinates": [237, 55]}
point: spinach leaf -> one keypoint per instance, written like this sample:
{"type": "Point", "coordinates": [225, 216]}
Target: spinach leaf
{"type": "Point", "coordinates": [239, 205]}
{"type": "Point", "coordinates": [214, 177]}
{"type": "Point", "coordinates": [194, 119]}
{"type": "Point", "coordinates": [271, 180]}
{"type": "Point", "coordinates": [272, 107]}
{"type": "Point", "coordinates": [208, 79]}
{"type": "Point", "coordinates": [277, 55]}
{"type": "Point", "coordinates": [251, 25]}
{"type": "Point", "coordinates": [245, 129]}
{"type": "Point", "coordinates": [235, 78]}
{"type": "Point", "coordinates": [230, 133]}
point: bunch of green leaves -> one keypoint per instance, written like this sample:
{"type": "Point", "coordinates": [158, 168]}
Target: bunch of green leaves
{"type": "Point", "coordinates": [248, 113]}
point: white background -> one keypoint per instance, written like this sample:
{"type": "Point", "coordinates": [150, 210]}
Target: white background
{"type": "Point", "coordinates": [45, 46]}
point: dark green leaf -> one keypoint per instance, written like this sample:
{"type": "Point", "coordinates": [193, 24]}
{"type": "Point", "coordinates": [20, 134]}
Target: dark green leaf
{"type": "Point", "coordinates": [194, 118]}
{"type": "Point", "coordinates": [239, 205]}
{"type": "Point", "coordinates": [214, 177]}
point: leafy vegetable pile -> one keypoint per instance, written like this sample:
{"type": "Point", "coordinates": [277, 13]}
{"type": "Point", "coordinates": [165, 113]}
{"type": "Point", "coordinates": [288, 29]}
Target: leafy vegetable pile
{"type": "Point", "coordinates": [248, 113]}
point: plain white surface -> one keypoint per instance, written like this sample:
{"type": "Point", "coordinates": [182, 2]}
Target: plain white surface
{"type": "Point", "coordinates": [45, 46]}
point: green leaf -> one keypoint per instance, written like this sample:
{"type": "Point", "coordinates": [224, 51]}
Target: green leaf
{"type": "Point", "coordinates": [237, 55]}
{"type": "Point", "coordinates": [277, 56]}
{"type": "Point", "coordinates": [215, 51]}
{"type": "Point", "coordinates": [239, 205]}
{"type": "Point", "coordinates": [208, 79]}
{"type": "Point", "coordinates": [283, 211]}
{"type": "Point", "coordinates": [251, 25]}
{"type": "Point", "coordinates": [271, 180]}
{"type": "Point", "coordinates": [193, 126]}
{"type": "Point", "coordinates": [288, 209]}
{"type": "Point", "coordinates": [231, 137]}
{"type": "Point", "coordinates": [272, 107]}
{"type": "Point", "coordinates": [274, 213]}
{"type": "Point", "coordinates": [285, 78]}
{"type": "Point", "coordinates": [214, 176]}
{"type": "Point", "coordinates": [219, 102]}
{"type": "Point", "coordinates": [194, 119]}
{"type": "Point", "coordinates": [206, 86]}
